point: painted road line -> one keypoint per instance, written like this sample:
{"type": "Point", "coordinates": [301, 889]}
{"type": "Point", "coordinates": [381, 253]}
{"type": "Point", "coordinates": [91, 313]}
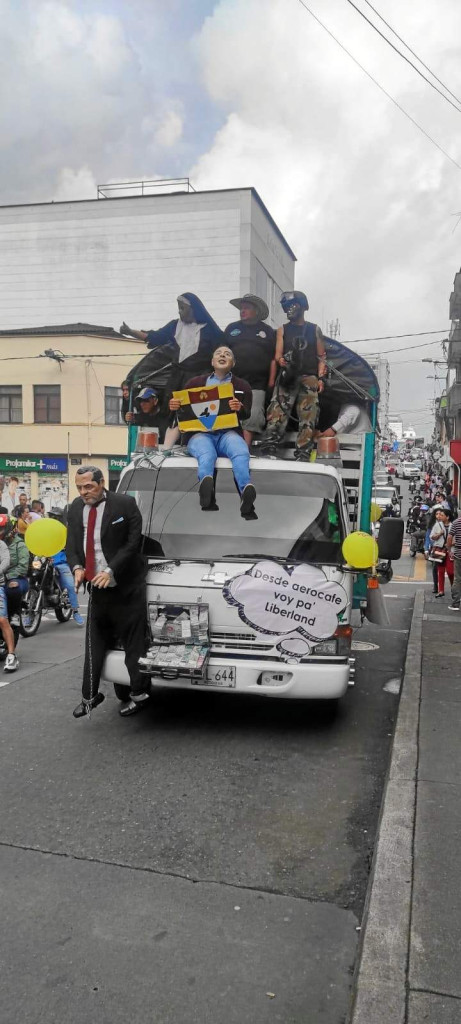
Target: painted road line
{"type": "Point", "coordinates": [438, 618]}
{"type": "Point", "coordinates": [420, 569]}
{"type": "Point", "coordinates": [410, 579]}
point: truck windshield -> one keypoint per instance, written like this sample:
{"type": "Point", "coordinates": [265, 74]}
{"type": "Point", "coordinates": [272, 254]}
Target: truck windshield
{"type": "Point", "coordinates": [299, 515]}
{"type": "Point", "coordinates": [385, 493]}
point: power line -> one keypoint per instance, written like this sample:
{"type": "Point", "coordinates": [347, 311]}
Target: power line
{"type": "Point", "coordinates": [386, 23]}
{"type": "Point", "coordinates": [389, 337]}
{"type": "Point", "coordinates": [381, 87]}
{"type": "Point", "coordinates": [402, 55]}
{"type": "Point", "coordinates": [390, 351]}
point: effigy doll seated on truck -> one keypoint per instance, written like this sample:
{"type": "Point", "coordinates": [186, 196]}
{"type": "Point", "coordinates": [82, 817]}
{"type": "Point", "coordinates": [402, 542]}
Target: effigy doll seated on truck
{"type": "Point", "coordinates": [209, 411]}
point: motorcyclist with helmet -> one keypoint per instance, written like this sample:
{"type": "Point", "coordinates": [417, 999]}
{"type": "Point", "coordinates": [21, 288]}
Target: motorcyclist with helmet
{"type": "Point", "coordinates": [416, 527]}
{"type": "Point", "coordinates": [7, 533]}
{"type": "Point", "coordinates": [64, 573]}
{"type": "Point", "coordinates": [17, 583]}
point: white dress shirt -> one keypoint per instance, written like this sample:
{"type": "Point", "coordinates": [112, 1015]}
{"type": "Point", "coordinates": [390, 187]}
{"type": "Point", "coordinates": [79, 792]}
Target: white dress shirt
{"type": "Point", "coordinates": [352, 419]}
{"type": "Point", "coordinates": [100, 561]}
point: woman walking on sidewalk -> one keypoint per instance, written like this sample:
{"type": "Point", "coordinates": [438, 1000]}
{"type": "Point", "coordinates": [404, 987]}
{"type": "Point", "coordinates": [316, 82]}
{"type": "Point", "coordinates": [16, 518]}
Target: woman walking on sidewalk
{"type": "Point", "coordinates": [439, 554]}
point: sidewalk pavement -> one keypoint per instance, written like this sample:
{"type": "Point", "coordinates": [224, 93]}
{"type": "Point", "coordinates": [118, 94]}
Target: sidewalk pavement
{"type": "Point", "coordinates": [409, 970]}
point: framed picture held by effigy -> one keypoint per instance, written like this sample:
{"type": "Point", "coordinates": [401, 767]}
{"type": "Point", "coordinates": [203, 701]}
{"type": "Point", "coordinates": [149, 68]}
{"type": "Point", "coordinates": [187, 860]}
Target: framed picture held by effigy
{"type": "Point", "coordinates": [206, 409]}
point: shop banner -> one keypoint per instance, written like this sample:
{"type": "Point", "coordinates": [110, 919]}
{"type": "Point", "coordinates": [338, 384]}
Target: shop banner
{"type": "Point", "coordinates": [298, 606]}
{"type": "Point", "coordinates": [116, 464]}
{"type": "Point", "coordinates": [33, 464]}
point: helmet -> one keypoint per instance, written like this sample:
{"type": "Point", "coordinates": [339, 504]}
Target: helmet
{"type": "Point", "coordinates": [58, 513]}
{"type": "Point", "coordinates": [7, 526]}
{"type": "Point", "coordinates": [288, 299]}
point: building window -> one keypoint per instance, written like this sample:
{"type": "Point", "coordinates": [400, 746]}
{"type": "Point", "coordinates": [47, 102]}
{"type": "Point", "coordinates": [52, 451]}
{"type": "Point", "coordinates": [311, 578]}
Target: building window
{"type": "Point", "coordinates": [112, 406]}
{"type": "Point", "coordinates": [10, 403]}
{"type": "Point", "coordinates": [47, 403]}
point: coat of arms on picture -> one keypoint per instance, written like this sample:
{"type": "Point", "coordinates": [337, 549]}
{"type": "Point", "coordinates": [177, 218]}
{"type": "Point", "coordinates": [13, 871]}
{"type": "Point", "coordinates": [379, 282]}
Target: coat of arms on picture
{"type": "Point", "coordinates": [207, 408]}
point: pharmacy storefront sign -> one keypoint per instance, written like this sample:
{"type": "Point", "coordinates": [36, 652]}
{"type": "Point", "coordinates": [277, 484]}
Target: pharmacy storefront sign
{"type": "Point", "coordinates": [117, 463]}
{"type": "Point", "coordinates": [33, 464]}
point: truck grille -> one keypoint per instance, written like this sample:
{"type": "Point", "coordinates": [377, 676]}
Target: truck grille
{"type": "Point", "coordinates": [239, 642]}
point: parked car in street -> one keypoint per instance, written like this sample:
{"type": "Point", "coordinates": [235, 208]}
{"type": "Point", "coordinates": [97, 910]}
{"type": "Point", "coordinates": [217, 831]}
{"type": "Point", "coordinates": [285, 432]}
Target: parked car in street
{"type": "Point", "coordinates": [387, 497]}
{"type": "Point", "coordinates": [407, 470]}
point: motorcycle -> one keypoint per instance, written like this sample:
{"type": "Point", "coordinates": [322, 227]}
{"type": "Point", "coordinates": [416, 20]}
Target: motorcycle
{"type": "Point", "coordinates": [417, 542]}
{"type": "Point", "coordinates": [44, 592]}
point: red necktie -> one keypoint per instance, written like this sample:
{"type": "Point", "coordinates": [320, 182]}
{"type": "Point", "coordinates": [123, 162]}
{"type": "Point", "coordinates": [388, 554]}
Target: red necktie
{"type": "Point", "coordinates": [90, 557]}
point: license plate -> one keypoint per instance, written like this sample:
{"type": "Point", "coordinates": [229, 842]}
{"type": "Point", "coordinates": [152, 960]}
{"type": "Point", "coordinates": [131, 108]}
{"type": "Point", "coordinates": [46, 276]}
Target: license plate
{"type": "Point", "coordinates": [222, 675]}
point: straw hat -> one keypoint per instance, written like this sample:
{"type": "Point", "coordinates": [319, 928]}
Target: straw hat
{"type": "Point", "coordinates": [261, 307]}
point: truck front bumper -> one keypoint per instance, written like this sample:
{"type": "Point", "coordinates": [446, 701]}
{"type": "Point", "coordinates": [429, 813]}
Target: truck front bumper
{"type": "Point", "coordinates": [319, 679]}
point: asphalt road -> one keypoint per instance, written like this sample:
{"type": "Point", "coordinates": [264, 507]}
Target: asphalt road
{"type": "Point", "coordinates": [206, 861]}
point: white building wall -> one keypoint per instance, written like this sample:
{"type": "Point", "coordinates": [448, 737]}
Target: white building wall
{"type": "Point", "coordinates": [382, 370]}
{"type": "Point", "coordinates": [109, 260]}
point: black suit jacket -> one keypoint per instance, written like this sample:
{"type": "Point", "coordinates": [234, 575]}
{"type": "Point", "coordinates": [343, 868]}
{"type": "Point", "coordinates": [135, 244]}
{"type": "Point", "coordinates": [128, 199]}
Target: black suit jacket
{"type": "Point", "coordinates": [120, 537]}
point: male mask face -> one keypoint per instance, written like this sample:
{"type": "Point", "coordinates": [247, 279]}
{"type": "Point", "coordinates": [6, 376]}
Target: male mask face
{"type": "Point", "coordinates": [292, 311]}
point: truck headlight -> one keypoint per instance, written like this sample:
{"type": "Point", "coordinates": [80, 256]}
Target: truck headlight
{"type": "Point", "coordinates": [326, 647]}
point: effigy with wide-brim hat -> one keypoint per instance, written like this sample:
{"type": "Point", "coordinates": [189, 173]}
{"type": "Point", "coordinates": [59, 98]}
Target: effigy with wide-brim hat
{"type": "Point", "coordinates": [261, 307]}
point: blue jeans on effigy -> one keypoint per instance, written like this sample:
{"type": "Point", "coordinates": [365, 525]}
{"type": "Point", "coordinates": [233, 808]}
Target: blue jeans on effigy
{"type": "Point", "coordinates": [206, 448]}
{"type": "Point", "coordinates": [66, 580]}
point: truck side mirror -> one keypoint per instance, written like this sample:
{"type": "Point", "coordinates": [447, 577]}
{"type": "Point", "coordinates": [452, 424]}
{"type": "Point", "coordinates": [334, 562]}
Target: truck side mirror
{"type": "Point", "coordinates": [390, 538]}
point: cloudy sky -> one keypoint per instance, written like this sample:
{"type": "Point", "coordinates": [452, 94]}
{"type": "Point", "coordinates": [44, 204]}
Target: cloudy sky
{"type": "Point", "coordinates": [254, 92]}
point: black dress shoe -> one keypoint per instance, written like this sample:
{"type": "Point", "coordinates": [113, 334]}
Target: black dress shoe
{"type": "Point", "coordinates": [206, 492]}
{"type": "Point", "coordinates": [247, 499]}
{"type": "Point", "coordinates": [134, 706]}
{"type": "Point", "coordinates": [87, 705]}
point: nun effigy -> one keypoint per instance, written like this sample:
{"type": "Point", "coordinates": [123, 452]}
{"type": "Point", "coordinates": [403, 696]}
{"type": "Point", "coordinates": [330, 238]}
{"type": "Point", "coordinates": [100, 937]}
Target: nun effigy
{"type": "Point", "coordinates": [185, 345]}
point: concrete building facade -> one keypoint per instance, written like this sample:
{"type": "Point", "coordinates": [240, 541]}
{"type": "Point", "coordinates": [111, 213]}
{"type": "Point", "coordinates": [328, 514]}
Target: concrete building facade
{"type": "Point", "coordinates": [104, 261]}
{"type": "Point", "coordinates": [57, 413]}
{"type": "Point", "coordinates": [382, 370]}
{"type": "Point", "coordinates": [450, 412]}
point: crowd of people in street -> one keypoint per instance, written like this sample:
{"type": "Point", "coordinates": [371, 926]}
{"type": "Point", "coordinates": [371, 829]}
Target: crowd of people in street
{"type": "Point", "coordinates": [271, 375]}
{"type": "Point", "coordinates": [434, 523]}
{"type": "Point", "coordinates": [15, 560]}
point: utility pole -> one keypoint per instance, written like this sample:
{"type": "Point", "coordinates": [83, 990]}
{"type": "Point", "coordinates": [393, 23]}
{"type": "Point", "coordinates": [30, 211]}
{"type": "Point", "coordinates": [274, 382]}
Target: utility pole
{"type": "Point", "coordinates": [333, 328]}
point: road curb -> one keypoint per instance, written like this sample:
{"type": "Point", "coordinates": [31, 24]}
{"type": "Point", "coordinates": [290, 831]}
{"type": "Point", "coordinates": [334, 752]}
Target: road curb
{"type": "Point", "coordinates": [380, 984]}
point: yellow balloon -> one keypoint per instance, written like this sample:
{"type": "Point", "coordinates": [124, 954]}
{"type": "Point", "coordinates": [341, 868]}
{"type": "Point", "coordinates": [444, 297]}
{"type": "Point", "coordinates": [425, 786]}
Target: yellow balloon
{"type": "Point", "coordinates": [375, 512]}
{"type": "Point", "coordinates": [45, 537]}
{"type": "Point", "coordinates": [360, 550]}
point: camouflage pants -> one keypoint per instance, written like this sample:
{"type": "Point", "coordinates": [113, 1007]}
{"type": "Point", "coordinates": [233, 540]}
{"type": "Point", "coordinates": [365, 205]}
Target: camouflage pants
{"type": "Point", "coordinates": [304, 392]}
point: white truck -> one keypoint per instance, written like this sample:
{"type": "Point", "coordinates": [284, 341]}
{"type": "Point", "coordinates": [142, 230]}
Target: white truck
{"type": "Point", "coordinates": [256, 584]}
{"type": "Point", "coordinates": [260, 606]}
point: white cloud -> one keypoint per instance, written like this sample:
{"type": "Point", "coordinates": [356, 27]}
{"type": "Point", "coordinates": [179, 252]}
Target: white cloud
{"type": "Point", "coordinates": [79, 81]}
{"type": "Point", "coordinates": [362, 197]}
{"type": "Point", "coordinates": [169, 130]}
{"type": "Point", "coordinates": [75, 185]}
{"type": "Point", "coordinates": [106, 45]}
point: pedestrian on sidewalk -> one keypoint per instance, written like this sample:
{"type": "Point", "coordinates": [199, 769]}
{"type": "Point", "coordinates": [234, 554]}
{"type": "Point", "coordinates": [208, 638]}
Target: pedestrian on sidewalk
{"type": "Point", "coordinates": [454, 552]}
{"type": "Point", "coordinates": [439, 553]}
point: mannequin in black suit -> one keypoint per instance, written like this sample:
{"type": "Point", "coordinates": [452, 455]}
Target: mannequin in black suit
{"type": "Point", "coordinates": [117, 606]}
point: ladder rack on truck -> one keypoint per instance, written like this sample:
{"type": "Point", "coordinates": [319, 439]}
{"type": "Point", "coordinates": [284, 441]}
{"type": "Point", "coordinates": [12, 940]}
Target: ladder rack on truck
{"type": "Point", "coordinates": [356, 470]}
